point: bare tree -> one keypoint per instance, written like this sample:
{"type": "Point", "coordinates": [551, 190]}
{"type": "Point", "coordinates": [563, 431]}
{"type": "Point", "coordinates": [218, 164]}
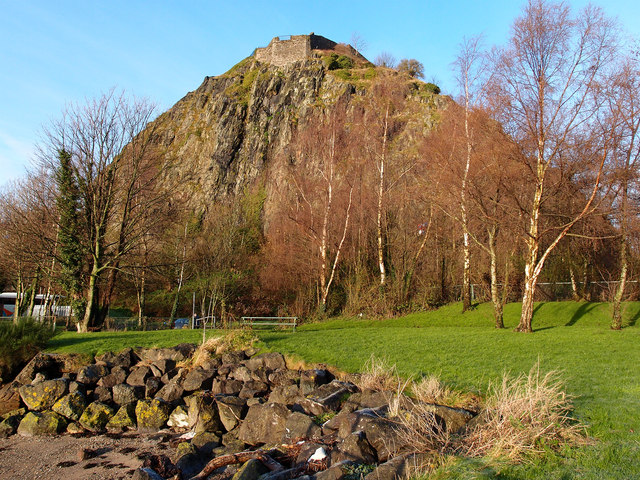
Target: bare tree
{"type": "Point", "coordinates": [385, 59]}
{"type": "Point", "coordinates": [112, 167]}
{"type": "Point", "coordinates": [411, 67]}
{"type": "Point", "coordinates": [546, 78]}
{"type": "Point", "coordinates": [358, 42]}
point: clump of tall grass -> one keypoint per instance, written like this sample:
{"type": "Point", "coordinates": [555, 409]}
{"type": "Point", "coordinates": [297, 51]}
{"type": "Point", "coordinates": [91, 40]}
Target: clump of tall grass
{"type": "Point", "coordinates": [19, 343]}
{"type": "Point", "coordinates": [378, 375]}
{"type": "Point", "coordinates": [523, 415]}
{"type": "Point", "coordinates": [235, 340]}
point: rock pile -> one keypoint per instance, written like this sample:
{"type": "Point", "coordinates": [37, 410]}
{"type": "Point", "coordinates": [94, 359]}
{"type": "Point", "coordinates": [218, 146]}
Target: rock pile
{"type": "Point", "coordinates": [240, 408]}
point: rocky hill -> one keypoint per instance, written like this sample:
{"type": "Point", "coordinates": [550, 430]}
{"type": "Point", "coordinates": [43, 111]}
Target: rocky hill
{"type": "Point", "coordinates": [230, 131]}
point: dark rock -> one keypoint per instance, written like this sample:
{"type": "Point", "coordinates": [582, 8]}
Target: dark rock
{"type": "Point", "coordinates": [354, 448]}
{"type": "Point", "coordinates": [333, 394]}
{"type": "Point", "coordinates": [117, 375]}
{"type": "Point", "coordinates": [164, 365]}
{"type": "Point", "coordinates": [251, 470]}
{"type": "Point", "coordinates": [241, 373]}
{"type": "Point", "coordinates": [203, 413]}
{"type": "Point", "coordinates": [226, 387]}
{"type": "Point", "coordinates": [283, 377]}
{"type": "Point", "coordinates": [145, 473]}
{"type": "Point", "coordinates": [9, 397]}
{"type": "Point", "coordinates": [172, 393]}
{"type": "Point", "coordinates": [71, 406]}
{"type": "Point", "coordinates": [124, 394]}
{"type": "Point", "coordinates": [10, 422]}
{"type": "Point", "coordinates": [253, 388]}
{"type": "Point", "coordinates": [77, 387]}
{"type": "Point", "coordinates": [152, 415]}
{"type": "Point", "coordinates": [264, 424]}
{"type": "Point", "coordinates": [90, 374]}
{"type": "Point", "coordinates": [382, 433]}
{"type": "Point", "coordinates": [454, 419]}
{"type": "Point", "coordinates": [41, 423]}
{"type": "Point", "coordinates": [178, 353]}
{"type": "Point", "coordinates": [335, 472]}
{"type": "Point", "coordinates": [269, 361]}
{"type": "Point", "coordinates": [124, 358]}
{"type": "Point", "coordinates": [205, 442]}
{"type": "Point", "coordinates": [261, 375]}
{"type": "Point", "coordinates": [231, 410]}
{"type": "Point", "coordinates": [198, 379]}
{"type": "Point", "coordinates": [43, 395]}
{"type": "Point", "coordinates": [169, 375]}
{"type": "Point", "coordinates": [300, 426]}
{"type": "Point", "coordinates": [42, 362]}
{"type": "Point", "coordinates": [286, 395]}
{"type": "Point", "coordinates": [152, 386]}
{"type": "Point", "coordinates": [233, 358]}
{"type": "Point", "coordinates": [102, 394]}
{"type": "Point", "coordinates": [312, 379]}
{"type": "Point", "coordinates": [39, 378]}
{"type": "Point", "coordinates": [155, 371]}
{"type": "Point", "coordinates": [184, 448]}
{"type": "Point", "coordinates": [96, 416]}
{"type": "Point", "coordinates": [162, 465]}
{"type": "Point", "coordinates": [368, 399]}
{"type": "Point", "coordinates": [139, 375]}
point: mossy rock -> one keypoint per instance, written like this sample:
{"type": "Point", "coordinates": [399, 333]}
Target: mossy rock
{"type": "Point", "coordinates": [184, 448]}
{"type": "Point", "coordinates": [41, 423]}
{"type": "Point", "coordinates": [43, 395]}
{"type": "Point", "coordinates": [71, 406]}
{"type": "Point", "coordinates": [10, 422]}
{"type": "Point", "coordinates": [124, 418]}
{"type": "Point", "coordinates": [205, 442]}
{"type": "Point", "coordinates": [152, 415]}
{"type": "Point", "coordinates": [96, 416]}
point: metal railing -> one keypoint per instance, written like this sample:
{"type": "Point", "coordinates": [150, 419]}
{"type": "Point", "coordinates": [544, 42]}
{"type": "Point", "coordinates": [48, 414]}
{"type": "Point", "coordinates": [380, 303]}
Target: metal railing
{"type": "Point", "coordinates": [270, 322]}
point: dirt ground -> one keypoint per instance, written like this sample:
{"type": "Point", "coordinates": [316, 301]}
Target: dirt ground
{"type": "Point", "coordinates": [104, 457]}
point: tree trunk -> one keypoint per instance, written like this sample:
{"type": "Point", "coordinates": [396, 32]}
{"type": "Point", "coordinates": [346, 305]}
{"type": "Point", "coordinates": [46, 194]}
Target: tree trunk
{"type": "Point", "coordinates": [495, 294]}
{"type": "Point", "coordinates": [383, 274]}
{"type": "Point", "coordinates": [466, 270]}
{"type": "Point", "coordinates": [90, 308]}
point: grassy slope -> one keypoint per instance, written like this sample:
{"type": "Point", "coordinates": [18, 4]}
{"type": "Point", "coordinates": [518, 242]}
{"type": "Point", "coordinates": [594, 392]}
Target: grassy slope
{"type": "Point", "coordinates": [600, 368]}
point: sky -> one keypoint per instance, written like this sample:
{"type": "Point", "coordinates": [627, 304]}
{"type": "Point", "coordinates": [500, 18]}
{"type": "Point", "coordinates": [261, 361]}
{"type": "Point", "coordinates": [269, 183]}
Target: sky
{"type": "Point", "coordinates": [57, 53]}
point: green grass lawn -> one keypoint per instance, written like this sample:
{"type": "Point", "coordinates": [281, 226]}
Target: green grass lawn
{"type": "Point", "coordinates": [600, 368]}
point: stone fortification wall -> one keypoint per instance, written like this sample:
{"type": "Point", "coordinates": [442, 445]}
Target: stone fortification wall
{"type": "Point", "coordinates": [281, 52]}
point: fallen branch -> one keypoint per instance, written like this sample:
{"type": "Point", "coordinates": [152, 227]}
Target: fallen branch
{"type": "Point", "coordinates": [240, 457]}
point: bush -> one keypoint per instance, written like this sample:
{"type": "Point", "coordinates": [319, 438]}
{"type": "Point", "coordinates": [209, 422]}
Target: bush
{"type": "Point", "coordinates": [432, 87]}
{"type": "Point", "coordinates": [19, 343]}
{"type": "Point", "coordinates": [338, 62]}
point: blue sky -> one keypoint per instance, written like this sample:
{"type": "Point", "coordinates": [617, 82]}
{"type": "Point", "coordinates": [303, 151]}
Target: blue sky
{"type": "Point", "coordinates": [57, 52]}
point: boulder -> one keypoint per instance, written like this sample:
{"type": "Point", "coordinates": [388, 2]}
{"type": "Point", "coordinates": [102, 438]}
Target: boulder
{"type": "Point", "coordinates": [96, 416]}
{"type": "Point", "coordinates": [42, 362]}
{"type": "Point", "coordinates": [91, 374]}
{"type": "Point", "coordinates": [333, 394]}
{"type": "Point", "coordinates": [102, 395]}
{"type": "Point", "coordinates": [231, 411]}
{"type": "Point", "coordinates": [10, 422]}
{"type": "Point", "coordinates": [253, 388]}
{"type": "Point", "coordinates": [179, 418]}
{"type": "Point", "coordinates": [203, 413]}
{"type": "Point", "coordinates": [43, 395]}
{"type": "Point", "coordinates": [354, 448]}
{"type": "Point", "coordinates": [270, 361]}
{"type": "Point", "coordinates": [367, 399]}
{"type": "Point", "coordinates": [178, 353]}
{"type": "Point", "coordinates": [125, 418]}
{"type": "Point", "coordinates": [336, 472]}
{"type": "Point", "coordinates": [300, 426]}
{"type": "Point", "coordinates": [283, 377]}
{"type": "Point", "coordinates": [172, 393]}
{"type": "Point", "coordinates": [205, 442]}
{"type": "Point", "coordinates": [152, 386]}
{"type": "Point", "coordinates": [286, 395]}
{"type": "Point", "coordinates": [264, 424]}
{"type": "Point", "coordinates": [145, 473]}
{"type": "Point", "coordinates": [71, 406]}
{"type": "Point", "coordinates": [184, 448]}
{"type": "Point", "coordinates": [123, 394]}
{"type": "Point", "coordinates": [454, 419]}
{"type": "Point", "coordinates": [233, 358]}
{"type": "Point", "coordinates": [118, 375]}
{"type": "Point", "coordinates": [226, 387]}
{"type": "Point", "coordinates": [241, 373]}
{"type": "Point", "coordinates": [74, 428]}
{"type": "Point", "coordinates": [382, 433]}
{"type": "Point", "coordinates": [312, 379]}
{"type": "Point", "coordinates": [139, 375]}
{"type": "Point", "coordinates": [164, 365]}
{"type": "Point", "coordinates": [41, 423]}
{"type": "Point", "coordinates": [9, 397]}
{"type": "Point", "coordinates": [198, 379]}
{"type": "Point", "coordinates": [152, 415]}
{"type": "Point", "coordinates": [251, 470]}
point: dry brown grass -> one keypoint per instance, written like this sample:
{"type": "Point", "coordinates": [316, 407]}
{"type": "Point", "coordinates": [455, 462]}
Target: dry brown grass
{"type": "Point", "coordinates": [522, 416]}
{"type": "Point", "coordinates": [378, 375]}
{"type": "Point", "coordinates": [233, 341]}
{"type": "Point", "coordinates": [431, 390]}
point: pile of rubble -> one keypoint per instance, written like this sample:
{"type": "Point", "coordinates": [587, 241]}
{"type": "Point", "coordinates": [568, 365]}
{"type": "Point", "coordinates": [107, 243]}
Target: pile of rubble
{"type": "Point", "coordinates": [240, 415]}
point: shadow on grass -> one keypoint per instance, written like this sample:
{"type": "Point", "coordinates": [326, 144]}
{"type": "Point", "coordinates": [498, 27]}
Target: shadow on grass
{"type": "Point", "coordinates": [580, 312]}
{"type": "Point", "coordinates": [634, 319]}
{"type": "Point", "coordinates": [543, 328]}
